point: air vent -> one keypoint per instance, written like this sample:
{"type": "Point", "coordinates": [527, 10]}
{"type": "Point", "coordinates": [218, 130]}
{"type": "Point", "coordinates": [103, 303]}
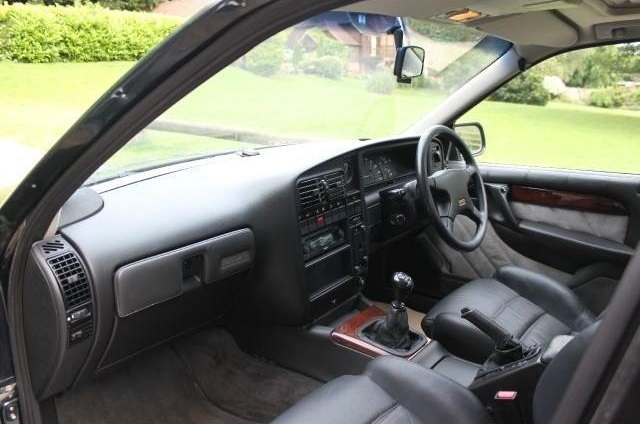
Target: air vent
{"type": "Point", "coordinates": [52, 246]}
{"type": "Point", "coordinates": [315, 192]}
{"type": "Point", "coordinates": [72, 279]}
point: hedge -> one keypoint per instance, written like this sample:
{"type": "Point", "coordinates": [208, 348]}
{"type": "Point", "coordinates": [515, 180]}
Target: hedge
{"type": "Point", "coordinates": [132, 5]}
{"type": "Point", "coordinates": [526, 88]}
{"type": "Point", "coordinates": [84, 33]}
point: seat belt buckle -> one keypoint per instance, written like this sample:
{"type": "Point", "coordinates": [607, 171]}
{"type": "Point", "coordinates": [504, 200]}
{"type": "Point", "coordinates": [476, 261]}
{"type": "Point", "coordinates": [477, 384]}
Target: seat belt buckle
{"type": "Point", "coordinates": [507, 407]}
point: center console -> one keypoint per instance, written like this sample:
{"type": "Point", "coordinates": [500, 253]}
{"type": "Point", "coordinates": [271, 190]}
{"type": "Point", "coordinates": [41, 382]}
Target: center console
{"type": "Point", "coordinates": [332, 238]}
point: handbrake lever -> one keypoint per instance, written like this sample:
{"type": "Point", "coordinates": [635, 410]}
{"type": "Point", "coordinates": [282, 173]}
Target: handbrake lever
{"type": "Point", "coordinates": [503, 339]}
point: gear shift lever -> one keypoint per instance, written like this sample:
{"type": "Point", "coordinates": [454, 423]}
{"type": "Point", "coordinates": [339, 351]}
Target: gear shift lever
{"type": "Point", "coordinates": [393, 331]}
{"type": "Point", "coordinates": [402, 288]}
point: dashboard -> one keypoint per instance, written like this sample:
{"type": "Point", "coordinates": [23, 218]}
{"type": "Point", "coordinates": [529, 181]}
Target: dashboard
{"type": "Point", "coordinates": [289, 243]}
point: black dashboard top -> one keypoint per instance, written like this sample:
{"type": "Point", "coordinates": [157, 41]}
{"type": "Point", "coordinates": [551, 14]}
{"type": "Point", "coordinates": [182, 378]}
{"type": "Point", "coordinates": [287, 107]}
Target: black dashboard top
{"type": "Point", "coordinates": [144, 216]}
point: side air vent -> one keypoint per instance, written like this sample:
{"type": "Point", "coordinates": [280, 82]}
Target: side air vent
{"type": "Point", "coordinates": [52, 246]}
{"type": "Point", "coordinates": [315, 192]}
{"type": "Point", "coordinates": [72, 279]}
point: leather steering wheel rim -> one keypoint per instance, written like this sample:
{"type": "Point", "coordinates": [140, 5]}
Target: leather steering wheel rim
{"type": "Point", "coordinates": [445, 193]}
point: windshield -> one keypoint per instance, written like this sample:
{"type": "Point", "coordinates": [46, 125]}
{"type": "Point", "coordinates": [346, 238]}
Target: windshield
{"type": "Point", "coordinates": [326, 78]}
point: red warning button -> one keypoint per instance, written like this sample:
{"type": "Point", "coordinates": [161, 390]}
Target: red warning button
{"type": "Point", "coordinates": [506, 395]}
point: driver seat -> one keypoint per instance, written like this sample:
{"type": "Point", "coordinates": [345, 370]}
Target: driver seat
{"type": "Point", "coordinates": [531, 306]}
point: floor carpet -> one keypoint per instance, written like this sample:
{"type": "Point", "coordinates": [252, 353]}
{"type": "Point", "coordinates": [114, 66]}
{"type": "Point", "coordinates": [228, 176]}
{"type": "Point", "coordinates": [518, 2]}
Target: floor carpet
{"type": "Point", "coordinates": [204, 378]}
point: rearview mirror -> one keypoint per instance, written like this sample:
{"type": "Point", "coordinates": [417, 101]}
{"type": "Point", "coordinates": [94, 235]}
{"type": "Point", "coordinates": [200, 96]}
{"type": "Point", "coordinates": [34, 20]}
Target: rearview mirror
{"type": "Point", "coordinates": [473, 136]}
{"type": "Point", "coordinates": [409, 63]}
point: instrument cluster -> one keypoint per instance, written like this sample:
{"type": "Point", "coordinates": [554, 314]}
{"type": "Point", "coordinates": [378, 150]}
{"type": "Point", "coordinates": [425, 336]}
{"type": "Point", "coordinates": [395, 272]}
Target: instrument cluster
{"type": "Point", "coordinates": [394, 163]}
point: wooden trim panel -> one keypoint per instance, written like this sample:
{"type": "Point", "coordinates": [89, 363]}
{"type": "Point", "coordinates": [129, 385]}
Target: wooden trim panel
{"type": "Point", "coordinates": [567, 200]}
{"type": "Point", "coordinates": [347, 333]}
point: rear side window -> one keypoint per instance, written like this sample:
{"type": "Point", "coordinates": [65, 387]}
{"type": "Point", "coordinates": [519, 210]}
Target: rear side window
{"type": "Point", "coordinates": [579, 110]}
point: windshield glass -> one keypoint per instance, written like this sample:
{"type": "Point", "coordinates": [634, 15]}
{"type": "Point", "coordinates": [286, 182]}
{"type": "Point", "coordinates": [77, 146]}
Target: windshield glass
{"type": "Point", "coordinates": [327, 78]}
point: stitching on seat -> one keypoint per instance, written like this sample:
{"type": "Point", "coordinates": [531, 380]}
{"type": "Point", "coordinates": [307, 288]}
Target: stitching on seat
{"type": "Point", "coordinates": [495, 314]}
{"type": "Point", "coordinates": [385, 413]}
{"type": "Point", "coordinates": [531, 324]}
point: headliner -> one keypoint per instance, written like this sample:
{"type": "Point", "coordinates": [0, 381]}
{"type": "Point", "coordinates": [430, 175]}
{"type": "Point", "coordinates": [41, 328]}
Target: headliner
{"type": "Point", "coordinates": [537, 28]}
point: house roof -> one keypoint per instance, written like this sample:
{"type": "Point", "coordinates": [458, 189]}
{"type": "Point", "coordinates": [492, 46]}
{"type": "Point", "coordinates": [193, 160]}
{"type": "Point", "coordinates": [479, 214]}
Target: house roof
{"type": "Point", "coordinates": [347, 35]}
{"type": "Point", "coordinates": [182, 8]}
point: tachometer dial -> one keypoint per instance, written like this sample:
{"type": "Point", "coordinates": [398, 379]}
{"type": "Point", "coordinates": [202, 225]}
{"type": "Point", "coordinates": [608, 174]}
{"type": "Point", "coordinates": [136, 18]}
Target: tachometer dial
{"type": "Point", "coordinates": [386, 166]}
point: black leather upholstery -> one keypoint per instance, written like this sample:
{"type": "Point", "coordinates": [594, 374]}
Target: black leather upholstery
{"type": "Point", "coordinates": [556, 377]}
{"type": "Point", "coordinates": [394, 390]}
{"type": "Point", "coordinates": [531, 306]}
{"type": "Point", "coordinates": [391, 390]}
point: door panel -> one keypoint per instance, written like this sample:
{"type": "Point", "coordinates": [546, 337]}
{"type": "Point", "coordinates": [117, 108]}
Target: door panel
{"type": "Point", "coordinates": [565, 219]}
{"type": "Point", "coordinates": [607, 226]}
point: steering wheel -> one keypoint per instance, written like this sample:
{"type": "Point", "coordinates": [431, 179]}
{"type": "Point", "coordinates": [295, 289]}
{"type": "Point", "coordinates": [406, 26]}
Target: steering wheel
{"type": "Point", "coordinates": [445, 193]}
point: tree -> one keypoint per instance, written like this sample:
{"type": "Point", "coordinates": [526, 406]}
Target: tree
{"type": "Point", "coordinates": [602, 67]}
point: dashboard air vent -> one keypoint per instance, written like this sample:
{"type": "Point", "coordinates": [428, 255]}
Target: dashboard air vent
{"type": "Point", "coordinates": [315, 192]}
{"type": "Point", "coordinates": [72, 279]}
{"type": "Point", "coordinates": [52, 246]}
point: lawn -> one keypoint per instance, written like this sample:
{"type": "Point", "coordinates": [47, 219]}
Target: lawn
{"type": "Point", "coordinates": [40, 101]}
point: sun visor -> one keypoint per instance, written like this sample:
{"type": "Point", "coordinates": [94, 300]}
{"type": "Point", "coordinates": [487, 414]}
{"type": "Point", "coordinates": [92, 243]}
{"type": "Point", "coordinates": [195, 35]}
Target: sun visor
{"type": "Point", "coordinates": [524, 29]}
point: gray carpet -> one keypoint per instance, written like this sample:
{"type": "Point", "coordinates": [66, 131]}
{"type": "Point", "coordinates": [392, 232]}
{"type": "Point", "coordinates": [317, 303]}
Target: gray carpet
{"type": "Point", "coordinates": [205, 378]}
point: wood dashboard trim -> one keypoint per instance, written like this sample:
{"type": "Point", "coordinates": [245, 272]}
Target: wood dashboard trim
{"type": "Point", "coordinates": [567, 200]}
{"type": "Point", "coordinates": [347, 333]}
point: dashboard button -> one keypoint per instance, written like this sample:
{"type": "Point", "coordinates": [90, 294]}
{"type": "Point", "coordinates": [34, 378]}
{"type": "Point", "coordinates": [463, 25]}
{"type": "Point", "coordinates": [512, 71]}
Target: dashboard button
{"type": "Point", "coordinates": [311, 222]}
{"type": "Point", "coordinates": [320, 221]}
{"type": "Point", "coordinates": [304, 227]}
{"type": "Point", "coordinates": [328, 217]}
{"type": "Point", "coordinates": [335, 217]}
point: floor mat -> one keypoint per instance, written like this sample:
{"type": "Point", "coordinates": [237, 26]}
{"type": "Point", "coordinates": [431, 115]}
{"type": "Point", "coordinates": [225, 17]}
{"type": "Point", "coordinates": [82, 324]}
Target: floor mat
{"type": "Point", "coordinates": [202, 379]}
{"type": "Point", "coordinates": [246, 386]}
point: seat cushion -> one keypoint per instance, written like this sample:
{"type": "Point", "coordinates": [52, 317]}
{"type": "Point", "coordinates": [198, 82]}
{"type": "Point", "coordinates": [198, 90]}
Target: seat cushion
{"type": "Point", "coordinates": [532, 307]}
{"type": "Point", "coordinates": [391, 390]}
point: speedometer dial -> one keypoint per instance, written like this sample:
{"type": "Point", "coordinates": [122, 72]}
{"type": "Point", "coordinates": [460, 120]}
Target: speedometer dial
{"type": "Point", "coordinates": [371, 172]}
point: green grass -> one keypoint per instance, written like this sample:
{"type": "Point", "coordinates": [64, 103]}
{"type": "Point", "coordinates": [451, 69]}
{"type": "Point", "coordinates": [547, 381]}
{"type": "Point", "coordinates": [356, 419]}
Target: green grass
{"type": "Point", "coordinates": [164, 147]}
{"type": "Point", "coordinates": [4, 193]}
{"type": "Point", "coordinates": [560, 135]}
{"type": "Point", "coordinates": [39, 102]}
{"type": "Point", "coordinates": [302, 105]}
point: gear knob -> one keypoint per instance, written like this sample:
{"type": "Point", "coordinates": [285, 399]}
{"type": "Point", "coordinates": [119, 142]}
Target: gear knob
{"type": "Point", "coordinates": [402, 288]}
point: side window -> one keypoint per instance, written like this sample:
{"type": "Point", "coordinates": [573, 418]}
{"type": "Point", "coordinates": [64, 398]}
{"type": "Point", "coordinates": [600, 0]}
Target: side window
{"type": "Point", "coordinates": [579, 110]}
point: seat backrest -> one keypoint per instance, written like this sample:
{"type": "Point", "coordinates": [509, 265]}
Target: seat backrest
{"type": "Point", "coordinates": [556, 377]}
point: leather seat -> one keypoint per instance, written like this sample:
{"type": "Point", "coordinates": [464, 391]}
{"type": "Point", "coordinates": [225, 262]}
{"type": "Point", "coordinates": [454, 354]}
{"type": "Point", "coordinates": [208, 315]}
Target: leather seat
{"type": "Point", "coordinates": [394, 390]}
{"type": "Point", "coordinates": [391, 390]}
{"type": "Point", "coordinates": [533, 307]}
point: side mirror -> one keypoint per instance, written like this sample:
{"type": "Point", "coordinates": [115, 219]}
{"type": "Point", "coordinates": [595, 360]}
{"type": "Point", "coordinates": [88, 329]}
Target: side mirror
{"type": "Point", "coordinates": [473, 136]}
{"type": "Point", "coordinates": [409, 63]}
